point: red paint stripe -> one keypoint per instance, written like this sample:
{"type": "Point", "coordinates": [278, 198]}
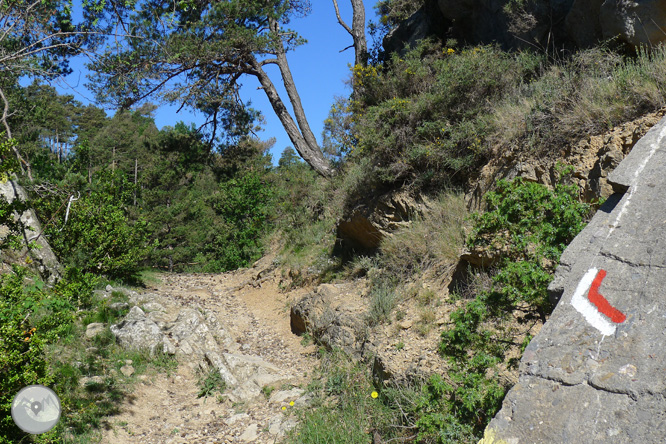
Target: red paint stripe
{"type": "Point", "coordinates": [601, 303]}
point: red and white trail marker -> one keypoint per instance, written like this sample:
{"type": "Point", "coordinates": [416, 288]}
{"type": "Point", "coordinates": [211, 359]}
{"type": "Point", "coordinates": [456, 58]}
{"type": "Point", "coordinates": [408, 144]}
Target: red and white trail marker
{"type": "Point", "coordinates": [593, 305]}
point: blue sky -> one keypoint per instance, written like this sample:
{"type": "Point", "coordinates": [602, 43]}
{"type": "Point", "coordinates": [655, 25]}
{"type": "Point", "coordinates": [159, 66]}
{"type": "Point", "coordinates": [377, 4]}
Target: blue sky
{"type": "Point", "coordinates": [318, 67]}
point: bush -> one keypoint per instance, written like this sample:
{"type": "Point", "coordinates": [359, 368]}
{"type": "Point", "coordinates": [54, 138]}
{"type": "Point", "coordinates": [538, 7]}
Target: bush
{"type": "Point", "coordinates": [22, 342]}
{"type": "Point", "coordinates": [98, 234]}
{"type": "Point", "coordinates": [243, 206]}
{"type": "Point", "coordinates": [424, 118]}
{"type": "Point", "coordinates": [531, 225]}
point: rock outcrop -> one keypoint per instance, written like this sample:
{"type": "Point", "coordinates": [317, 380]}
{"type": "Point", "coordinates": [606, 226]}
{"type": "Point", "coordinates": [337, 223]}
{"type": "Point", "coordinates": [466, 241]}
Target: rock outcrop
{"type": "Point", "coordinates": [594, 372]}
{"type": "Point", "coordinates": [540, 23]}
{"type": "Point", "coordinates": [195, 335]}
{"type": "Point", "coordinates": [331, 319]}
{"type": "Point", "coordinates": [41, 258]}
{"type": "Point", "coordinates": [367, 222]}
{"type": "Point", "coordinates": [593, 158]}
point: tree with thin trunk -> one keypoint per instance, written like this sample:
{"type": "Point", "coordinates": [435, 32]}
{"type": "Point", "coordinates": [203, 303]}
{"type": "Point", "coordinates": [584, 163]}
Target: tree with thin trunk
{"type": "Point", "coordinates": [195, 52]}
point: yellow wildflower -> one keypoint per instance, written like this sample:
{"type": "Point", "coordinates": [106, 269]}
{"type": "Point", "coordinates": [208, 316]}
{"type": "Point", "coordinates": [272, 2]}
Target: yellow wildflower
{"type": "Point", "coordinates": [374, 395]}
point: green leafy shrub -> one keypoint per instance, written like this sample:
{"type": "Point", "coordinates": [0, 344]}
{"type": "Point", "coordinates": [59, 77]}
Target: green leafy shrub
{"type": "Point", "coordinates": [22, 361]}
{"type": "Point", "coordinates": [100, 237]}
{"type": "Point", "coordinates": [243, 205]}
{"type": "Point", "coordinates": [531, 226]}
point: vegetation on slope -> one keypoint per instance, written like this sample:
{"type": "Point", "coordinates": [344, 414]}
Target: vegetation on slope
{"type": "Point", "coordinates": [116, 194]}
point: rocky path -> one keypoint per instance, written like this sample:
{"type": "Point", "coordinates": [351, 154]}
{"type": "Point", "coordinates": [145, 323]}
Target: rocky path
{"type": "Point", "coordinates": [234, 323]}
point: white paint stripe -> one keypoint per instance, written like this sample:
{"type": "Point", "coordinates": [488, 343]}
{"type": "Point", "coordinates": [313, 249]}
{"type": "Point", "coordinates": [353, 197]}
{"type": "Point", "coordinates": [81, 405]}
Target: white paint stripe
{"type": "Point", "coordinates": [581, 303]}
{"type": "Point", "coordinates": [634, 182]}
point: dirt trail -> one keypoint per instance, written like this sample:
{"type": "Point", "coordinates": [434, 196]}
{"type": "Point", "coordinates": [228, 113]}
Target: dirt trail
{"type": "Point", "coordinates": [165, 409]}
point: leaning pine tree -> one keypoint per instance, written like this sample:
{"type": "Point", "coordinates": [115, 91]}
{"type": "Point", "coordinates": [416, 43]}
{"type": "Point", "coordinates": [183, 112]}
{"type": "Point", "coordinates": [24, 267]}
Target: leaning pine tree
{"type": "Point", "coordinates": [194, 52]}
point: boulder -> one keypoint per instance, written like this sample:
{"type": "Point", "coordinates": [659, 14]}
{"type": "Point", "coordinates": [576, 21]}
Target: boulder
{"type": "Point", "coordinates": [94, 329]}
{"type": "Point", "coordinates": [594, 373]}
{"type": "Point", "coordinates": [334, 324]}
{"type": "Point", "coordinates": [139, 332]}
{"type": "Point", "coordinates": [636, 22]}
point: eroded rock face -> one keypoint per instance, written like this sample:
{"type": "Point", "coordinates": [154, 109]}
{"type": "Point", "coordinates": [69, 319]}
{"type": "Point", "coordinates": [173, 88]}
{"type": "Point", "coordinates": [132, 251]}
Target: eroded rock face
{"type": "Point", "coordinates": [368, 222]}
{"type": "Point", "coordinates": [592, 159]}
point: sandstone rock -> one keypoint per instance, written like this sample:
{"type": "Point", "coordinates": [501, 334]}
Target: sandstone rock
{"type": "Point", "coordinates": [127, 370]}
{"type": "Point", "coordinates": [278, 425]}
{"type": "Point", "coordinates": [334, 327]}
{"type": "Point", "coordinates": [235, 418]}
{"type": "Point", "coordinates": [153, 306]}
{"type": "Point", "coordinates": [368, 222]}
{"type": "Point", "coordinates": [94, 329]}
{"type": "Point", "coordinates": [406, 325]}
{"type": "Point", "coordinates": [250, 434]}
{"type": "Point", "coordinates": [278, 397]}
{"type": "Point", "coordinates": [119, 306]}
{"type": "Point", "coordinates": [303, 313]}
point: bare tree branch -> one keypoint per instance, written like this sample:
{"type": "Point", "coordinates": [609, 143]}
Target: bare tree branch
{"type": "Point", "coordinates": [342, 23]}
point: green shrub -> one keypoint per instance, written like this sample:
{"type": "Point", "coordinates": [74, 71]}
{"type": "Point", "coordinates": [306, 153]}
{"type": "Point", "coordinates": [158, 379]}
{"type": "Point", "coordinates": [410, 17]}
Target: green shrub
{"type": "Point", "coordinates": [243, 204]}
{"type": "Point", "coordinates": [22, 361]}
{"type": "Point", "coordinates": [530, 225]}
{"type": "Point", "coordinates": [98, 234]}
{"type": "Point", "coordinates": [425, 118]}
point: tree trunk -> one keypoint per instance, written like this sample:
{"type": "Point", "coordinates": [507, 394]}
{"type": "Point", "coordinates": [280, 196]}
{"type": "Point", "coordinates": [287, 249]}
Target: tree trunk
{"type": "Point", "coordinates": [357, 31]}
{"type": "Point", "coordinates": [305, 144]}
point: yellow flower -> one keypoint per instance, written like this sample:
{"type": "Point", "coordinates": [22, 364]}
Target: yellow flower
{"type": "Point", "coordinates": [374, 395]}
{"type": "Point", "coordinates": [291, 403]}
{"type": "Point", "coordinates": [284, 408]}
{"type": "Point", "coordinates": [450, 51]}
{"type": "Point", "coordinates": [26, 339]}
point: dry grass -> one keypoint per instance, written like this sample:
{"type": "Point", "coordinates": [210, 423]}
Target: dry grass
{"type": "Point", "coordinates": [434, 239]}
